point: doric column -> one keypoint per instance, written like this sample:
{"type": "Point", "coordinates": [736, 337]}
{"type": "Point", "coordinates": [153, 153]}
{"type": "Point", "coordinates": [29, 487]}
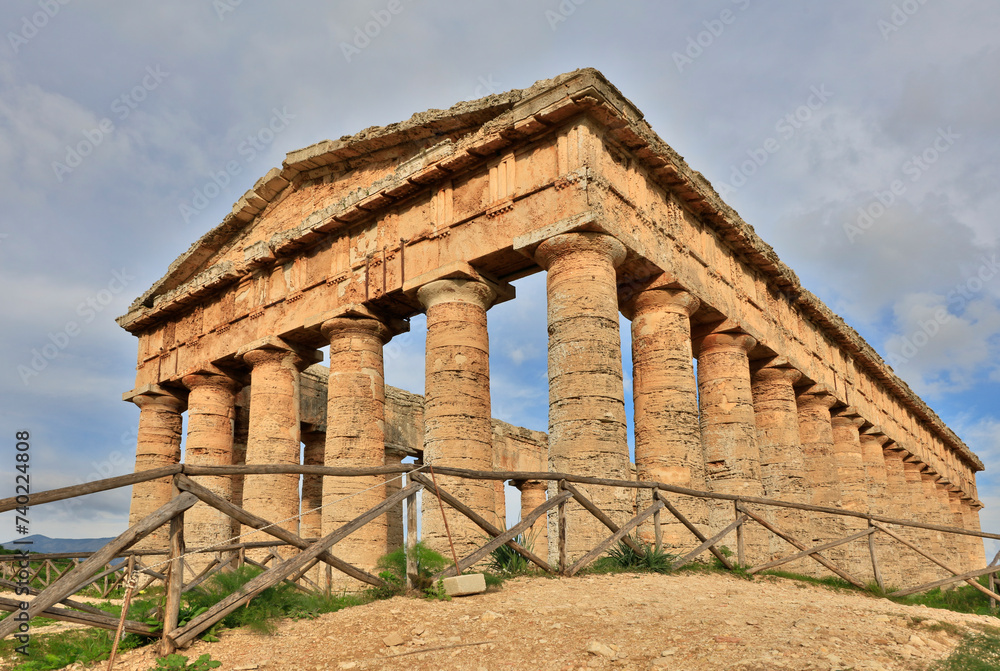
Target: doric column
{"type": "Point", "coordinates": [274, 435]}
{"type": "Point", "coordinates": [394, 518]}
{"type": "Point", "coordinates": [587, 429]}
{"type": "Point", "coordinates": [355, 434]}
{"type": "Point", "coordinates": [781, 464]}
{"type": "Point", "coordinates": [158, 445]}
{"type": "Point", "coordinates": [918, 510]}
{"type": "Point", "coordinates": [950, 543]}
{"type": "Point", "coordinates": [532, 496]}
{"type": "Point", "coordinates": [899, 571]}
{"type": "Point", "coordinates": [850, 464]}
{"type": "Point", "coordinates": [665, 396]}
{"type": "Point", "coordinates": [311, 520]}
{"type": "Point", "coordinates": [971, 513]}
{"type": "Point", "coordinates": [876, 482]}
{"type": "Point", "coordinates": [211, 414]}
{"type": "Point", "coordinates": [728, 429]}
{"type": "Point", "coordinates": [961, 544]}
{"type": "Point", "coordinates": [457, 429]}
{"type": "Point", "coordinates": [816, 433]}
{"type": "Point", "coordinates": [313, 452]}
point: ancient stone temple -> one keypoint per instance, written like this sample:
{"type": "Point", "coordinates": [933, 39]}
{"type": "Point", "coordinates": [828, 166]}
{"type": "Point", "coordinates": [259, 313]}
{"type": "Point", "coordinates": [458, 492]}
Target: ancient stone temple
{"type": "Point", "coordinates": [744, 381]}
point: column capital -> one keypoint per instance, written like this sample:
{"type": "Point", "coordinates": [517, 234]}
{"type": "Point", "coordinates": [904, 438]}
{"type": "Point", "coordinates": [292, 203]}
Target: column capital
{"type": "Point", "coordinates": [582, 241]}
{"type": "Point", "coordinates": [775, 373]}
{"type": "Point", "coordinates": [816, 395]}
{"type": "Point", "coordinates": [714, 342]}
{"type": "Point", "coordinates": [348, 325]}
{"type": "Point", "coordinates": [848, 415]}
{"type": "Point", "coordinates": [661, 299]}
{"type": "Point", "coordinates": [457, 290]}
{"type": "Point", "coordinates": [272, 348]}
{"type": "Point", "coordinates": [153, 395]}
{"type": "Point", "coordinates": [202, 378]}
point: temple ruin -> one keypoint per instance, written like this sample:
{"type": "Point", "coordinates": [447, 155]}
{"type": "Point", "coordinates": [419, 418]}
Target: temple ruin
{"type": "Point", "coordinates": [438, 215]}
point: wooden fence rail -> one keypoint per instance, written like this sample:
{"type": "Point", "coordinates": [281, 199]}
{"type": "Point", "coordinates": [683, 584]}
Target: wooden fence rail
{"type": "Point", "coordinates": [87, 568]}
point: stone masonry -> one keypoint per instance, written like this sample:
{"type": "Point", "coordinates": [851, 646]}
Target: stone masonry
{"type": "Point", "coordinates": [743, 381]}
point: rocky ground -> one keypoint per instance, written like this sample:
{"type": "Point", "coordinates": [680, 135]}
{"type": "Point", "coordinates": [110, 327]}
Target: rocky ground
{"type": "Point", "coordinates": [685, 622]}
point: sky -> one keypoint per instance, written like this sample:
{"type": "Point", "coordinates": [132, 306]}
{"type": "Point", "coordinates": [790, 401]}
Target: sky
{"type": "Point", "coordinates": [861, 139]}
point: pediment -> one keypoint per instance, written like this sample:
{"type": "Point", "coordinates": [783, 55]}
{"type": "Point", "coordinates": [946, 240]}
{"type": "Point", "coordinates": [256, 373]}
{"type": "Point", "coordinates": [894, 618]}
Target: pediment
{"type": "Point", "coordinates": [322, 180]}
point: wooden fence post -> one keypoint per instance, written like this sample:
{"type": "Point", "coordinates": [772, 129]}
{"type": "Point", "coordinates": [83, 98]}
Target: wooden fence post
{"type": "Point", "coordinates": [741, 550]}
{"type": "Point", "coordinates": [175, 578]}
{"type": "Point", "coordinates": [563, 564]}
{"type": "Point", "coordinates": [657, 531]}
{"type": "Point", "coordinates": [875, 565]}
{"type": "Point", "coordinates": [411, 537]}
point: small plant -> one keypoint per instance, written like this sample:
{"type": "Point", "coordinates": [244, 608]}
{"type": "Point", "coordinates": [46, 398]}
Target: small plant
{"type": "Point", "coordinates": [175, 661]}
{"type": "Point", "coordinates": [393, 567]}
{"type": "Point", "coordinates": [437, 592]}
{"type": "Point", "coordinates": [506, 561]}
{"type": "Point", "coordinates": [624, 557]}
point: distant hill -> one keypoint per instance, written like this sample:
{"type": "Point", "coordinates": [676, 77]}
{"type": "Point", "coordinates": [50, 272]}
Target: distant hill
{"type": "Point", "coordinates": [45, 544]}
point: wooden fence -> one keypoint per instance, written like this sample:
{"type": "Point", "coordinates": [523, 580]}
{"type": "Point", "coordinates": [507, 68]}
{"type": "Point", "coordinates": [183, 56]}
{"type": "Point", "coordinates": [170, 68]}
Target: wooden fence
{"type": "Point", "coordinates": [87, 568]}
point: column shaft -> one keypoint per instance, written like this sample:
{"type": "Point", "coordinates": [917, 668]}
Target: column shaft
{"type": "Point", "coordinates": [853, 488]}
{"type": "Point", "coordinates": [355, 434]}
{"type": "Point", "coordinates": [532, 496]}
{"type": "Point", "coordinates": [587, 429]}
{"type": "Point", "coordinates": [781, 464]}
{"type": "Point", "coordinates": [211, 414]}
{"type": "Point", "coordinates": [665, 394]}
{"type": "Point", "coordinates": [273, 438]}
{"type": "Point", "coordinates": [158, 445]}
{"type": "Point", "coordinates": [457, 428]}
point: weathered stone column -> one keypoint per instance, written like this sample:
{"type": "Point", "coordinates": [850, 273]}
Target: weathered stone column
{"type": "Point", "coordinates": [457, 429]}
{"type": "Point", "coordinates": [816, 432]}
{"type": "Point", "coordinates": [918, 510]}
{"type": "Point", "coordinates": [728, 429]}
{"type": "Point", "coordinates": [850, 465]}
{"type": "Point", "coordinates": [355, 435]}
{"type": "Point", "coordinates": [274, 436]}
{"type": "Point", "coordinates": [876, 483]}
{"type": "Point", "coordinates": [971, 514]}
{"type": "Point", "coordinates": [931, 508]}
{"type": "Point", "coordinates": [900, 560]}
{"type": "Point", "coordinates": [395, 537]}
{"type": "Point", "coordinates": [158, 445]}
{"type": "Point", "coordinates": [532, 496]}
{"type": "Point", "coordinates": [961, 546]}
{"type": "Point", "coordinates": [781, 464]}
{"type": "Point", "coordinates": [313, 452]}
{"type": "Point", "coordinates": [211, 414]}
{"type": "Point", "coordinates": [665, 394]}
{"type": "Point", "coordinates": [587, 429]}
{"type": "Point", "coordinates": [311, 520]}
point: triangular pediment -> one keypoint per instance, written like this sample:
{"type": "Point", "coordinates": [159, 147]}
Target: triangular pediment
{"type": "Point", "coordinates": [337, 173]}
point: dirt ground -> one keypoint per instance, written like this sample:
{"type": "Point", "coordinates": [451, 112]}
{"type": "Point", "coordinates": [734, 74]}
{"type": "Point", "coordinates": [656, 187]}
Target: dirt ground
{"type": "Point", "coordinates": [686, 622]}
